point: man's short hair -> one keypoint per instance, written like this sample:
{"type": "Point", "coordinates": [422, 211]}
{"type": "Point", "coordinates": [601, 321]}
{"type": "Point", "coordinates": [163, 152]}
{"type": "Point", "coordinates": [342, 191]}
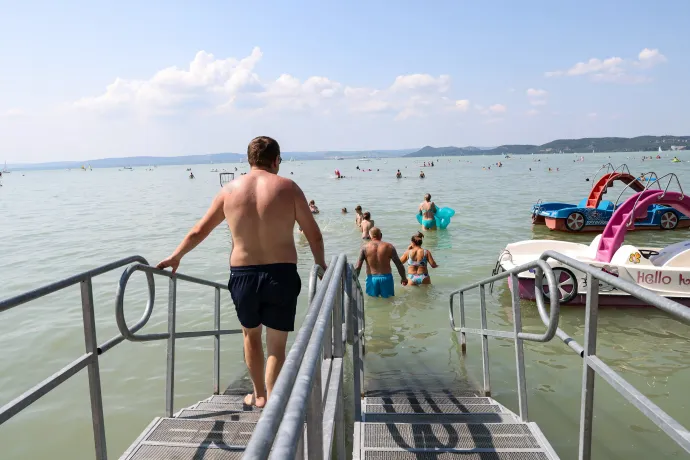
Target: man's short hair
{"type": "Point", "coordinates": [427, 197]}
{"type": "Point", "coordinates": [358, 208]}
{"type": "Point", "coordinates": [262, 151]}
{"type": "Point", "coordinates": [375, 233]}
{"type": "Point", "coordinates": [366, 215]}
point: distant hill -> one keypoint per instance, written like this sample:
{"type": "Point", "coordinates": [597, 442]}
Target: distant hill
{"type": "Point", "coordinates": [585, 145]}
{"type": "Point", "coordinates": [205, 159]}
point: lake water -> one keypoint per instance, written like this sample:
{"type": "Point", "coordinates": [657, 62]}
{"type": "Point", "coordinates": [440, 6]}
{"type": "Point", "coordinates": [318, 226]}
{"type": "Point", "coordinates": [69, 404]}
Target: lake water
{"type": "Point", "coordinates": [57, 223]}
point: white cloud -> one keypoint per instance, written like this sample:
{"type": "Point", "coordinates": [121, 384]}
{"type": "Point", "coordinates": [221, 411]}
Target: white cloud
{"type": "Point", "coordinates": [532, 112]}
{"type": "Point", "coordinates": [462, 105]}
{"type": "Point", "coordinates": [12, 113]}
{"type": "Point", "coordinates": [538, 102]}
{"type": "Point", "coordinates": [592, 114]}
{"type": "Point", "coordinates": [498, 108]}
{"type": "Point", "coordinates": [421, 82]}
{"type": "Point", "coordinates": [493, 120]}
{"type": "Point", "coordinates": [650, 58]}
{"type": "Point", "coordinates": [536, 92]}
{"type": "Point", "coordinates": [614, 69]}
{"type": "Point", "coordinates": [215, 85]}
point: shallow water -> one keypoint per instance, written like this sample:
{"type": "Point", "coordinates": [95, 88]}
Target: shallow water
{"type": "Point", "coordinates": [56, 223]}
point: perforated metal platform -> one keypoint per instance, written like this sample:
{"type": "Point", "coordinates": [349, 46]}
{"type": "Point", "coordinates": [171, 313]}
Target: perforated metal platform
{"type": "Point", "coordinates": [217, 428]}
{"type": "Point", "coordinates": [426, 426]}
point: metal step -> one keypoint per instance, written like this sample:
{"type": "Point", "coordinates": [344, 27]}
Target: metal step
{"type": "Point", "coordinates": [374, 455]}
{"type": "Point", "coordinates": [441, 418]}
{"type": "Point", "coordinates": [179, 438]}
{"type": "Point", "coordinates": [432, 409]}
{"type": "Point", "coordinates": [447, 436]}
{"type": "Point", "coordinates": [227, 415]}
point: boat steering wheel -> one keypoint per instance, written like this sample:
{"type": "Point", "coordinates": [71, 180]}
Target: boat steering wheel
{"type": "Point", "coordinates": [647, 253]}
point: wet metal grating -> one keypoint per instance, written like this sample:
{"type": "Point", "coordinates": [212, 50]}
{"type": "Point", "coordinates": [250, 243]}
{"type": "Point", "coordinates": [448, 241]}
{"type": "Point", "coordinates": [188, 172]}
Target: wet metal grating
{"type": "Point", "coordinates": [449, 436]}
{"type": "Point", "coordinates": [432, 408]}
{"type": "Point", "coordinates": [184, 453]}
{"type": "Point", "coordinates": [227, 415]}
{"type": "Point", "coordinates": [419, 399]}
{"type": "Point", "coordinates": [202, 431]}
{"type": "Point", "coordinates": [210, 406]}
{"type": "Point", "coordinates": [371, 455]}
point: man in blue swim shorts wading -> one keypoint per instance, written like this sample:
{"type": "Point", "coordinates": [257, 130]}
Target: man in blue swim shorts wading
{"type": "Point", "coordinates": [378, 256]}
{"type": "Point", "coordinates": [261, 209]}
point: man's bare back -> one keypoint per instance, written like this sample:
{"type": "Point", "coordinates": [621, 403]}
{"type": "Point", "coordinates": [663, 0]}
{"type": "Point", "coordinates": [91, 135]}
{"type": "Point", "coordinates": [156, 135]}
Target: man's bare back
{"type": "Point", "coordinates": [378, 255]}
{"type": "Point", "coordinates": [261, 209]}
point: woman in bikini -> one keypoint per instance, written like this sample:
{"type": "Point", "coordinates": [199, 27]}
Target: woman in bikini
{"type": "Point", "coordinates": [417, 260]}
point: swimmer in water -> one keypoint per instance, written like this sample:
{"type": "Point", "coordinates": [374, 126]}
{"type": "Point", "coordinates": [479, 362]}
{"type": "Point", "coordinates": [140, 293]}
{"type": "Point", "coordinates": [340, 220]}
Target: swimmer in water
{"type": "Point", "coordinates": [367, 224]}
{"type": "Point", "coordinates": [428, 211]}
{"type": "Point", "coordinates": [191, 175]}
{"type": "Point", "coordinates": [417, 260]}
{"type": "Point", "coordinates": [344, 210]}
{"type": "Point", "coordinates": [358, 216]}
{"type": "Point", "coordinates": [421, 175]}
{"type": "Point", "coordinates": [398, 175]}
{"type": "Point", "coordinates": [313, 208]}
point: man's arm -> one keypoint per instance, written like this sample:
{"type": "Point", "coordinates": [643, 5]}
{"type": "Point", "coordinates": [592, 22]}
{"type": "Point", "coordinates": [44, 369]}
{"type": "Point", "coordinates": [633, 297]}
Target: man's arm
{"type": "Point", "coordinates": [309, 227]}
{"type": "Point", "coordinates": [360, 260]}
{"type": "Point", "coordinates": [214, 216]}
{"type": "Point", "coordinates": [399, 264]}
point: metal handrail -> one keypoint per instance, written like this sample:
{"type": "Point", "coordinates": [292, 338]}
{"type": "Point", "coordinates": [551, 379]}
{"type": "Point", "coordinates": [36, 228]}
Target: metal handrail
{"type": "Point", "coordinates": [90, 359]}
{"type": "Point", "coordinates": [646, 186]}
{"type": "Point", "coordinates": [298, 394]}
{"type": "Point", "coordinates": [670, 176]}
{"type": "Point", "coordinates": [608, 166]}
{"type": "Point", "coordinates": [592, 364]}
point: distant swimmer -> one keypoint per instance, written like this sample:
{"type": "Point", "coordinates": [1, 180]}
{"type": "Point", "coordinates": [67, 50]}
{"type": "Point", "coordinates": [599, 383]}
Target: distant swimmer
{"type": "Point", "coordinates": [428, 211]}
{"type": "Point", "coordinates": [260, 209]}
{"type": "Point", "coordinates": [398, 175]}
{"type": "Point", "coordinates": [378, 255]}
{"type": "Point", "coordinates": [191, 175]}
{"type": "Point", "coordinates": [367, 224]}
{"type": "Point", "coordinates": [421, 175]}
{"type": "Point", "coordinates": [313, 208]}
{"type": "Point", "coordinates": [358, 216]}
{"type": "Point", "coordinates": [344, 210]}
{"type": "Point", "coordinates": [417, 260]}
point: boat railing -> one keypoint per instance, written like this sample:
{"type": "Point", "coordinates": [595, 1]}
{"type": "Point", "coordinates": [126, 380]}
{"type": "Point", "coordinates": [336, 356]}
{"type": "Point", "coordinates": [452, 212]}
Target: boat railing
{"type": "Point", "coordinates": [608, 167]}
{"type": "Point", "coordinates": [90, 359]}
{"type": "Point", "coordinates": [648, 176]}
{"type": "Point", "coordinates": [671, 177]}
{"type": "Point", "coordinates": [592, 364]}
{"type": "Point", "coordinates": [300, 394]}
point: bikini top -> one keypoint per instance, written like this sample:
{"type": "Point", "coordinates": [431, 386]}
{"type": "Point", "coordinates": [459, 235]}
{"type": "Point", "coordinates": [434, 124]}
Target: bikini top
{"type": "Point", "coordinates": [421, 263]}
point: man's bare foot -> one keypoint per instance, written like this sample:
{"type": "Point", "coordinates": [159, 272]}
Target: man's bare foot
{"type": "Point", "coordinates": [251, 400]}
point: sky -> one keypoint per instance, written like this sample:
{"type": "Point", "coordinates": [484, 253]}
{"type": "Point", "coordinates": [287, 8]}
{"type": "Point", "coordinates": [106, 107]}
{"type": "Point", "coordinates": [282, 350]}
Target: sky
{"type": "Point", "coordinates": [83, 79]}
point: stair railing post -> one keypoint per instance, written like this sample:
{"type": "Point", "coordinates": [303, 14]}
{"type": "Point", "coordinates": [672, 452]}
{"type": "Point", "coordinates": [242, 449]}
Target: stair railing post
{"type": "Point", "coordinates": [216, 343]}
{"type": "Point", "coordinates": [348, 305]}
{"type": "Point", "coordinates": [485, 341]}
{"type": "Point", "coordinates": [339, 352]}
{"type": "Point", "coordinates": [519, 350]}
{"type": "Point", "coordinates": [91, 345]}
{"type": "Point", "coordinates": [170, 368]}
{"type": "Point", "coordinates": [356, 352]}
{"type": "Point", "coordinates": [463, 335]}
{"type": "Point", "coordinates": [590, 349]}
{"type": "Point", "coordinates": [315, 416]}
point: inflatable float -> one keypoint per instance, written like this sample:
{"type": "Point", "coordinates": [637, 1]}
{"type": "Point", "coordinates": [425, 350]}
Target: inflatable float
{"type": "Point", "coordinates": [442, 217]}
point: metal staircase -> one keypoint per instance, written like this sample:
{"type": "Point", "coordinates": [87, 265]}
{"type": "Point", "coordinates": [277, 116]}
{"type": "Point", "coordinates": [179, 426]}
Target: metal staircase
{"type": "Point", "coordinates": [444, 426]}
